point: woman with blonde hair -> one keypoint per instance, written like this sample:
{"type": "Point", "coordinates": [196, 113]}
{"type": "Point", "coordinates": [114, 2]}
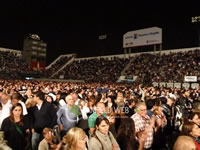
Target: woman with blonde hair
{"type": "Point", "coordinates": [75, 139]}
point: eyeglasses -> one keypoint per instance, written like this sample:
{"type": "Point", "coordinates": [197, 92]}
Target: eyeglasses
{"type": "Point", "coordinates": [142, 109]}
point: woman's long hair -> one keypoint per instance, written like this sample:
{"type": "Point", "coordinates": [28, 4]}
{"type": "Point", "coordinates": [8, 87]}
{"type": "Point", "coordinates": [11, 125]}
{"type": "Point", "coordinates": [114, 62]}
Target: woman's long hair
{"type": "Point", "coordinates": [12, 115]}
{"type": "Point", "coordinates": [127, 128]}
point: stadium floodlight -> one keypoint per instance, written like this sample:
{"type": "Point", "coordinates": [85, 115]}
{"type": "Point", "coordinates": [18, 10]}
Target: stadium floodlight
{"type": "Point", "coordinates": [195, 19]}
{"type": "Point", "coordinates": [102, 37]}
{"type": "Point", "coordinates": [34, 36]}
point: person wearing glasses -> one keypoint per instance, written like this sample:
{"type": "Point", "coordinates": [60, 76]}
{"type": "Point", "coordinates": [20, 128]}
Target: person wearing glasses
{"type": "Point", "coordinates": [144, 126]}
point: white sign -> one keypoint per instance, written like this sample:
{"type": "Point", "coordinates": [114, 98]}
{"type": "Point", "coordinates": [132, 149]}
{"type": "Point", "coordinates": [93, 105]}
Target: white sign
{"type": "Point", "coordinates": [190, 79]}
{"type": "Point", "coordinates": [61, 76]}
{"type": "Point", "coordinates": [143, 37]}
{"type": "Point", "coordinates": [177, 85]}
{"type": "Point", "coordinates": [155, 84]}
{"type": "Point", "coordinates": [195, 85]}
{"type": "Point", "coordinates": [186, 85]}
{"type": "Point", "coordinates": [170, 85]}
{"type": "Point", "coordinates": [162, 84]}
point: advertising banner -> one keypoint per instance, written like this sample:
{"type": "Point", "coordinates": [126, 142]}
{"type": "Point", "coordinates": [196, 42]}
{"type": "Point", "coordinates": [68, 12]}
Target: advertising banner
{"type": "Point", "coordinates": [190, 79]}
{"type": "Point", "coordinates": [143, 37]}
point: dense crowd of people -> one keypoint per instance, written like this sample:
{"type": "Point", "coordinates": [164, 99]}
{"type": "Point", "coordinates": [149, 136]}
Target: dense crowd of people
{"type": "Point", "coordinates": [101, 114]}
{"type": "Point", "coordinates": [95, 70]}
{"type": "Point", "coordinates": [147, 67]}
{"type": "Point", "coordinates": [48, 115]}
{"type": "Point", "coordinates": [165, 68]}
{"type": "Point", "coordinates": [13, 66]}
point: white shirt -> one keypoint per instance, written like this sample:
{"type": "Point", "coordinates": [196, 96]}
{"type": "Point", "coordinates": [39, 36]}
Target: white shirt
{"type": "Point", "coordinates": [6, 108]}
{"type": "Point", "coordinates": [84, 112]}
{"type": "Point", "coordinates": [39, 106]}
{"type": "Point", "coordinates": [62, 103]}
{"type": "Point", "coordinates": [25, 112]}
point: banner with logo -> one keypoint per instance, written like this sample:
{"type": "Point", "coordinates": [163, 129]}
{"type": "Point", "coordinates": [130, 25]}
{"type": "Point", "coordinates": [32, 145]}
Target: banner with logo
{"type": "Point", "coordinates": [190, 79]}
{"type": "Point", "coordinates": [143, 37]}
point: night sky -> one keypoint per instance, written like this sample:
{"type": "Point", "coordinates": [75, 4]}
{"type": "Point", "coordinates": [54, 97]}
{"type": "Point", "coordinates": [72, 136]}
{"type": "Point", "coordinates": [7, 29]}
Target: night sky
{"type": "Point", "coordinates": [75, 27]}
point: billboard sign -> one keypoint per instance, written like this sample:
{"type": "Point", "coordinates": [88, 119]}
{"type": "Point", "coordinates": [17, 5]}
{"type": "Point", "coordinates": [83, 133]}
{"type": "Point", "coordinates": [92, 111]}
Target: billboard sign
{"type": "Point", "coordinates": [143, 37]}
{"type": "Point", "coordinates": [190, 78]}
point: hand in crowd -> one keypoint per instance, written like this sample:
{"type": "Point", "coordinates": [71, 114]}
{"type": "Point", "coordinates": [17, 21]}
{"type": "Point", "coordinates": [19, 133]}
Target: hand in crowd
{"type": "Point", "coordinates": [115, 147]}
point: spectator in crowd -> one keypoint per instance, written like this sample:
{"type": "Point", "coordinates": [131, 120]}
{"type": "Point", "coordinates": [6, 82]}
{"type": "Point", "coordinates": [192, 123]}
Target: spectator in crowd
{"type": "Point", "coordinates": [68, 115]}
{"type": "Point", "coordinates": [110, 104]}
{"type": "Point", "coordinates": [144, 126]}
{"type": "Point", "coordinates": [44, 115]}
{"type": "Point", "coordinates": [49, 142]}
{"type": "Point", "coordinates": [129, 107]}
{"type": "Point", "coordinates": [91, 104]}
{"type": "Point", "coordinates": [16, 98]}
{"type": "Point", "coordinates": [184, 143]}
{"type": "Point", "coordinates": [194, 117]}
{"type": "Point", "coordinates": [126, 136]}
{"type": "Point", "coordinates": [100, 111]}
{"type": "Point", "coordinates": [102, 137]}
{"type": "Point", "coordinates": [6, 107]}
{"type": "Point", "coordinates": [75, 139]}
{"type": "Point", "coordinates": [16, 129]}
{"type": "Point", "coordinates": [192, 130]}
{"type": "Point", "coordinates": [111, 116]}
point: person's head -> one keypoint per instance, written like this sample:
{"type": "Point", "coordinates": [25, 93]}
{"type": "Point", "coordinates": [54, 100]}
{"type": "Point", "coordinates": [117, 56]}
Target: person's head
{"type": "Point", "coordinates": [5, 98]}
{"type": "Point", "coordinates": [15, 98]}
{"type": "Point", "coordinates": [16, 112]}
{"type": "Point", "coordinates": [91, 102]}
{"type": "Point", "coordinates": [111, 117]}
{"type": "Point", "coordinates": [141, 109]}
{"type": "Point", "coordinates": [150, 103]}
{"type": "Point", "coordinates": [49, 99]}
{"type": "Point", "coordinates": [75, 138]}
{"type": "Point", "coordinates": [194, 117]}
{"type": "Point", "coordinates": [190, 129]}
{"type": "Point", "coordinates": [38, 96]}
{"type": "Point", "coordinates": [100, 109]}
{"type": "Point", "coordinates": [157, 110]}
{"type": "Point", "coordinates": [47, 134]}
{"type": "Point", "coordinates": [110, 99]}
{"type": "Point", "coordinates": [69, 100]}
{"type": "Point", "coordinates": [126, 127]}
{"type": "Point", "coordinates": [30, 103]}
{"type": "Point", "coordinates": [163, 100]}
{"type": "Point", "coordinates": [102, 125]}
{"type": "Point", "coordinates": [74, 96]}
{"type": "Point", "coordinates": [196, 106]}
{"type": "Point", "coordinates": [184, 143]}
{"type": "Point", "coordinates": [81, 103]}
